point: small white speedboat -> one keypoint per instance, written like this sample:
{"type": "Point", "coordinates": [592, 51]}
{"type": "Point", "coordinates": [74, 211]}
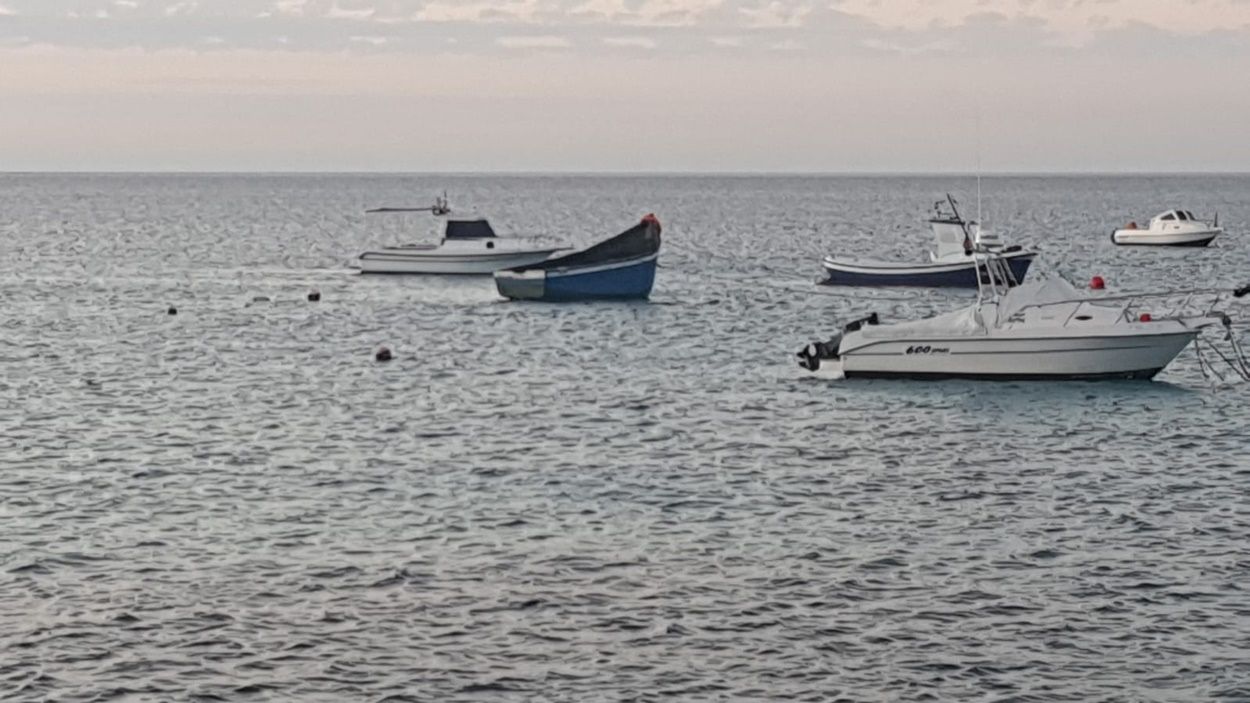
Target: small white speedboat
{"type": "Point", "coordinates": [1043, 330]}
{"type": "Point", "coordinates": [1174, 228]}
{"type": "Point", "coordinates": [468, 246]}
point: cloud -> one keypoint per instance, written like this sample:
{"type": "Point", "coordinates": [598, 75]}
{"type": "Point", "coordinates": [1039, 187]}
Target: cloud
{"type": "Point", "coordinates": [523, 11]}
{"type": "Point", "coordinates": [904, 28]}
{"type": "Point", "coordinates": [777, 14]}
{"type": "Point", "coordinates": [647, 13]}
{"type": "Point", "coordinates": [1071, 17]}
{"type": "Point", "coordinates": [631, 42]}
{"type": "Point", "coordinates": [534, 42]}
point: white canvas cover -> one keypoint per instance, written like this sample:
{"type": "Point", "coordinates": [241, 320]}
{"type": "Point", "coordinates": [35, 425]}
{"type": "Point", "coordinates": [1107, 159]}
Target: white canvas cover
{"type": "Point", "coordinates": [1051, 290]}
{"type": "Point", "coordinates": [976, 319]}
{"type": "Point", "coordinates": [964, 322]}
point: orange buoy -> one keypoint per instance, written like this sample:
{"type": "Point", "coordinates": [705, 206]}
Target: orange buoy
{"type": "Point", "coordinates": [1145, 317]}
{"type": "Point", "coordinates": [1097, 283]}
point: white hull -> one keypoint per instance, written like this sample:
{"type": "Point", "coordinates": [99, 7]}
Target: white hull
{"type": "Point", "coordinates": [432, 261]}
{"type": "Point", "coordinates": [1145, 237]}
{"type": "Point", "coordinates": [1174, 228]}
{"type": "Point", "coordinates": [1137, 353]}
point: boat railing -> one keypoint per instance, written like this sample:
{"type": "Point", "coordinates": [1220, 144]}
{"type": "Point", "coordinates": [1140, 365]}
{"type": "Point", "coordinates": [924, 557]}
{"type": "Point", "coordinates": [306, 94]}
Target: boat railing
{"type": "Point", "coordinates": [1128, 305]}
{"type": "Point", "coordinates": [994, 276]}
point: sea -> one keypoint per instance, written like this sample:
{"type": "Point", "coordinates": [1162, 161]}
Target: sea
{"type": "Point", "coordinates": [593, 502]}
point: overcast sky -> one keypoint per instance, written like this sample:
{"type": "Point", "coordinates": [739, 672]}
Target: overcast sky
{"type": "Point", "coordinates": [625, 85]}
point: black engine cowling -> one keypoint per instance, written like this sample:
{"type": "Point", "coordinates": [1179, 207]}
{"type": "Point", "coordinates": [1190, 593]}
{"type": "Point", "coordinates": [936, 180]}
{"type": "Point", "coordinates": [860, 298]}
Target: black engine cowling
{"type": "Point", "coordinates": [811, 355]}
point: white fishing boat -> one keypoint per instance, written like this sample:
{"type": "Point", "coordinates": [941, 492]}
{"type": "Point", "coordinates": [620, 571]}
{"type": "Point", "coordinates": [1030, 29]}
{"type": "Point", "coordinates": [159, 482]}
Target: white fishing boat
{"type": "Point", "coordinates": [468, 245]}
{"type": "Point", "coordinates": [950, 264]}
{"type": "Point", "coordinates": [1042, 330]}
{"type": "Point", "coordinates": [1174, 228]}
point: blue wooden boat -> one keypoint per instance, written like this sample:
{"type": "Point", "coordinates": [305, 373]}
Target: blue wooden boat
{"type": "Point", "coordinates": [620, 268]}
{"type": "Point", "coordinates": [951, 263]}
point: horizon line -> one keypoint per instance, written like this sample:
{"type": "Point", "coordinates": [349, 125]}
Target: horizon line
{"type": "Point", "coordinates": [672, 173]}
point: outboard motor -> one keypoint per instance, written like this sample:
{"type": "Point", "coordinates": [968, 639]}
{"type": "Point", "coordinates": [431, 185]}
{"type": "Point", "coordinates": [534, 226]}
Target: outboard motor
{"type": "Point", "coordinates": [811, 355]}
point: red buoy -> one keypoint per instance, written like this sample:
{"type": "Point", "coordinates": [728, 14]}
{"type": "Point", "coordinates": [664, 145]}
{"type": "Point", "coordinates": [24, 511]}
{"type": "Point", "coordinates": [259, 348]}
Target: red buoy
{"type": "Point", "coordinates": [1097, 283]}
{"type": "Point", "coordinates": [1145, 317]}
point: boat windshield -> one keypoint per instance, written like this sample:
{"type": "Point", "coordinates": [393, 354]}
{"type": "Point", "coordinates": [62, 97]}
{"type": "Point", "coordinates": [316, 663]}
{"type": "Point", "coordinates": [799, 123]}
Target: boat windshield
{"type": "Point", "coordinates": [469, 229]}
{"type": "Point", "coordinates": [1168, 217]}
{"type": "Point", "coordinates": [1180, 215]}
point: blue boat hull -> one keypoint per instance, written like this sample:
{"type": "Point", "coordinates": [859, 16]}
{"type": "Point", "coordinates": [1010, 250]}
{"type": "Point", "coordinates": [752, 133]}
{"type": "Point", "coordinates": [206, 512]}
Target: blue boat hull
{"type": "Point", "coordinates": [963, 277]}
{"type": "Point", "coordinates": [632, 282]}
{"type": "Point", "coordinates": [624, 281]}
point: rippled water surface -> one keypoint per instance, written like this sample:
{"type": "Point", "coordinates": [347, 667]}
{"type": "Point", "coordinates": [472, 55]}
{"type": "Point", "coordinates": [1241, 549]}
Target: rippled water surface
{"type": "Point", "coordinates": [590, 502]}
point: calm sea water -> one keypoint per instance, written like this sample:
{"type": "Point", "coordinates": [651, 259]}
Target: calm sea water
{"type": "Point", "coordinates": [590, 502]}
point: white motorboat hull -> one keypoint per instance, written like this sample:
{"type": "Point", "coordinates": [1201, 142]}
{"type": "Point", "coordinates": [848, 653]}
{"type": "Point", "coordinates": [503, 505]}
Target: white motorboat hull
{"type": "Point", "coordinates": [1145, 237]}
{"type": "Point", "coordinates": [410, 260]}
{"type": "Point", "coordinates": [1134, 354]}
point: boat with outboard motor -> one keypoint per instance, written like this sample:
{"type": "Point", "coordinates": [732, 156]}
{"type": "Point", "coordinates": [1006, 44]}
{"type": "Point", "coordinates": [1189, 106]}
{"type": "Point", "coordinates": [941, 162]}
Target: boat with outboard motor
{"type": "Point", "coordinates": [950, 264]}
{"type": "Point", "coordinates": [620, 268]}
{"type": "Point", "coordinates": [469, 245]}
{"type": "Point", "coordinates": [1038, 330]}
{"type": "Point", "coordinates": [1174, 228]}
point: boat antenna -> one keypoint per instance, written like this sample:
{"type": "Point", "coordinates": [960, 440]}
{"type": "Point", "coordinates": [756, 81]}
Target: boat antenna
{"type": "Point", "coordinates": [978, 127]}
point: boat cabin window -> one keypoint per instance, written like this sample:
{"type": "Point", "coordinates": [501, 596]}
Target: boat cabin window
{"type": "Point", "coordinates": [1168, 217]}
{"type": "Point", "coordinates": [1180, 215]}
{"type": "Point", "coordinates": [1191, 215]}
{"type": "Point", "coordinates": [469, 229]}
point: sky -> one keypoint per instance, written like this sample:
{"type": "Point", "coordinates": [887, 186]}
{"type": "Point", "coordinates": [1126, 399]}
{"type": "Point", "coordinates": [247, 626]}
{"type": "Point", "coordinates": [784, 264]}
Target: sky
{"type": "Point", "coordinates": [839, 86]}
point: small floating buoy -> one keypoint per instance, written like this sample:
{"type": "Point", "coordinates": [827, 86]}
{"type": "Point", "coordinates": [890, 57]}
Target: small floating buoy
{"type": "Point", "coordinates": [1145, 317]}
{"type": "Point", "coordinates": [314, 296]}
{"type": "Point", "coordinates": [384, 354]}
{"type": "Point", "coordinates": [1097, 283]}
{"type": "Point", "coordinates": [172, 310]}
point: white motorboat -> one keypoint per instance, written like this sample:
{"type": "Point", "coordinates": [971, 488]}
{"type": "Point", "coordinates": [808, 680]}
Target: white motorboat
{"type": "Point", "coordinates": [1042, 330]}
{"type": "Point", "coordinates": [950, 264]}
{"type": "Point", "coordinates": [468, 246]}
{"type": "Point", "coordinates": [1174, 228]}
